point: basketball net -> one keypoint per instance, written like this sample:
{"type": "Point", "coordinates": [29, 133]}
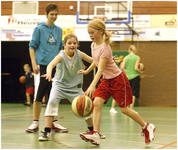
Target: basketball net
{"type": "Point", "coordinates": [103, 18]}
{"type": "Point", "coordinates": [117, 24]}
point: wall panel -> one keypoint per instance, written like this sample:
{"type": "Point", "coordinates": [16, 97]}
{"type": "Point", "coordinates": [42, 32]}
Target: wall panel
{"type": "Point", "coordinates": [154, 7]}
{"type": "Point", "coordinates": [159, 81]}
{"type": "Point", "coordinates": [139, 7]}
{"type": "Point", "coordinates": [6, 8]}
{"type": "Point", "coordinates": [63, 7]}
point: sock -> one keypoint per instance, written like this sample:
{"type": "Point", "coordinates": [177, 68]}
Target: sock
{"type": "Point", "coordinates": [90, 128]}
{"type": "Point", "coordinates": [55, 120]}
{"type": "Point", "coordinates": [47, 129]}
{"type": "Point", "coordinates": [144, 126]}
{"type": "Point", "coordinates": [35, 120]}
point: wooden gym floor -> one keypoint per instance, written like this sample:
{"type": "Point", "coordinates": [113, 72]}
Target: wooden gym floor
{"type": "Point", "coordinates": [121, 132]}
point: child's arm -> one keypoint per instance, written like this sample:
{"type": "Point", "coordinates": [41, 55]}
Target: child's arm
{"type": "Point", "coordinates": [86, 57]}
{"type": "Point", "coordinates": [136, 66]}
{"type": "Point", "coordinates": [33, 61]}
{"type": "Point", "coordinates": [122, 66]}
{"type": "Point", "coordinates": [90, 68]}
{"type": "Point", "coordinates": [101, 66]}
{"type": "Point", "coordinates": [50, 67]}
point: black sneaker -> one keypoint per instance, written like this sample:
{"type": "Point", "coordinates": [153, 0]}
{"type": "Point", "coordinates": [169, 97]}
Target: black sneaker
{"type": "Point", "coordinates": [26, 104]}
{"type": "Point", "coordinates": [44, 136]}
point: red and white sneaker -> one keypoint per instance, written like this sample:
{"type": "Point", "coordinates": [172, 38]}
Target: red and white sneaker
{"type": "Point", "coordinates": [34, 127]}
{"type": "Point", "coordinates": [102, 136]}
{"type": "Point", "coordinates": [58, 128]}
{"type": "Point", "coordinates": [148, 132]}
{"type": "Point", "coordinates": [91, 136]}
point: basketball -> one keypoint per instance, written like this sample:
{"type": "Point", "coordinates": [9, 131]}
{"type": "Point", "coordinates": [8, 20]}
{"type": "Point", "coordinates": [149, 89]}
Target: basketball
{"type": "Point", "coordinates": [22, 79]}
{"type": "Point", "coordinates": [141, 66]}
{"type": "Point", "coordinates": [82, 106]}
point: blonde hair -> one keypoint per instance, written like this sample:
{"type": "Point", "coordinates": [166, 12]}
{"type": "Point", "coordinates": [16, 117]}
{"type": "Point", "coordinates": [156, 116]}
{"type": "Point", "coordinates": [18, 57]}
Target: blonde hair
{"type": "Point", "coordinates": [98, 24]}
{"type": "Point", "coordinates": [68, 36]}
{"type": "Point", "coordinates": [27, 65]}
{"type": "Point", "coordinates": [132, 48]}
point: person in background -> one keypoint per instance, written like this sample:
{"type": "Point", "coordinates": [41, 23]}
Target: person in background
{"type": "Point", "coordinates": [29, 75]}
{"type": "Point", "coordinates": [130, 63]}
{"type": "Point", "coordinates": [45, 45]}
{"type": "Point", "coordinates": [44, 100]}
{"type": "Point", "coordinates": [113, 104]}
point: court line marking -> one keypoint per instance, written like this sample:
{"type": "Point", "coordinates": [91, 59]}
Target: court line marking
{"type": "Point", "coordinates": [167, 145]}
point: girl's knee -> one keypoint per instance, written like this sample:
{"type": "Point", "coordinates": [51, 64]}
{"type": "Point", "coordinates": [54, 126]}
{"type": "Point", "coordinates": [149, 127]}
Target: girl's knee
{"type": "Point", "coordinates": [98, 103]}
{"type": "Point", "coordinates": [124, 110]}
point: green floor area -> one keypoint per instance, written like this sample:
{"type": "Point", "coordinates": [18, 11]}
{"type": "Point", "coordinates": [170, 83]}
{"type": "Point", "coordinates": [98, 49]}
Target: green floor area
{"type": "Point", "coordinates": [121, 132]}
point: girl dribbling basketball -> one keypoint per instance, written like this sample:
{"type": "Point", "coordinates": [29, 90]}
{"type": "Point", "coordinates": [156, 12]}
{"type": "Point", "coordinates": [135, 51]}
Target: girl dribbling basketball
{"type": "Point", "coordinates": [114, 83]}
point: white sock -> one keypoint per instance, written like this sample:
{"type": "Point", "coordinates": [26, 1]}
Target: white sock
{"type": "Point", "coordinates": [144, 126]}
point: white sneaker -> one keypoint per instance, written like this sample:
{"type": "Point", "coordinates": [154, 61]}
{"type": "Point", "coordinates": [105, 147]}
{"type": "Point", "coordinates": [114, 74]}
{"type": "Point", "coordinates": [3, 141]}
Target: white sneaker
{"type": "Point", "coordinates": [92, 136]}
{"type": "Point", "coordinates": [113, 111]}
{"type": "Point", "coordinates": [102, 136]}
{"type": "Point", "coordinates": [44, 136]}
{"type": "Point", "coordinates": [148, 132]}
{"type": "Point", "coordinates": [58, 128]}
{"type": "Point", "coordinates": [34, 127]}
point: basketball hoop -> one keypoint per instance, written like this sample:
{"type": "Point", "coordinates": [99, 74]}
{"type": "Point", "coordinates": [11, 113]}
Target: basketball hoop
{"type": "Point", "coordinates": [117, 24]}
{"type": "Point", "coordinates": [103, 18]}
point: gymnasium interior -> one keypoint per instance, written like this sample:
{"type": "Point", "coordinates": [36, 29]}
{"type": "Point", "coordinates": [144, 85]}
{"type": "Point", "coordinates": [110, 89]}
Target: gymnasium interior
{"type": "Point", "coordinates": [150, 25]}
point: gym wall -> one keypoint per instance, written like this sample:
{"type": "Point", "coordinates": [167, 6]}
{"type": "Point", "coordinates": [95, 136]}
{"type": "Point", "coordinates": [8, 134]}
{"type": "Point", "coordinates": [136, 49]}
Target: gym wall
{"type": "Point", "coordinates": [158, 82]}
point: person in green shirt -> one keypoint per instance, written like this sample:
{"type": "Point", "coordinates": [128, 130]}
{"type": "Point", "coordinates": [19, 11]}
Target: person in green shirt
{"type": "Point", "coordinates": [130, 63]}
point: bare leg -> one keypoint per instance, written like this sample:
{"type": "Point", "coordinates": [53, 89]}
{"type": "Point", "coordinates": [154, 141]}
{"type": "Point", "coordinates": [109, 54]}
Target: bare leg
{"type": "Point", "coordinates": [36, 110]}
{"type": "Point", "coordinates": [133, 103]}
{"type": "Point", "coordinates": [43, 100]}
{"type": "Point", "coordinates": [28, 98]}
{"type": "Point", "coordinates": [48, 121]}
{"type": "Point", "coordinates": [112, 110]}
{"type": "Point", "coordinates": [98, 103]}
{"type": "Point", "coordinates": [113, 104]}
{"type": "Point", "coordinates": [132, 114]}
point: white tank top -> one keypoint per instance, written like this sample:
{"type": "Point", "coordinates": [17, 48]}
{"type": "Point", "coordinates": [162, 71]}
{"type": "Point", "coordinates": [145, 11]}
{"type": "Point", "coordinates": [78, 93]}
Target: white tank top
{"type": "Point", "coordinates": [66, 72]}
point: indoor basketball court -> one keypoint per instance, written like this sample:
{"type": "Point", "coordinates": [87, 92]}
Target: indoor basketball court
{"type": "Point", "coordinates": [149, 25]}
{"type": "Point", "coordinates": [121, 132]}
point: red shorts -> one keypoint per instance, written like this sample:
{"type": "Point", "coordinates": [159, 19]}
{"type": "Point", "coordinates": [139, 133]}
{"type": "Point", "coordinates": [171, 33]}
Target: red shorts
{"type": "Point", "coordinates": [118, 87]}
{"type": "Point", "coordinates": [30, 90]}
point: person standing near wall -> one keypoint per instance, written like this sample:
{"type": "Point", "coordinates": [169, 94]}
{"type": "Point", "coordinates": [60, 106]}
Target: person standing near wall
{"type": "Point", "coordinates": [44, 46]}
{"type": "Point", "coordinates": [131, 62]}
{"type": "Point", "coordinates": [29, 75]}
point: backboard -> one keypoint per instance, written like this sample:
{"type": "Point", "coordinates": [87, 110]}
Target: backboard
{"type": "Point", "coordinates": [111, 12]}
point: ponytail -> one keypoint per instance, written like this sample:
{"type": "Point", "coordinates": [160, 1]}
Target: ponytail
{"type": "Point", "coordinates": [107, 39]}
{"type": "Point", "coordinates": [132, 48]}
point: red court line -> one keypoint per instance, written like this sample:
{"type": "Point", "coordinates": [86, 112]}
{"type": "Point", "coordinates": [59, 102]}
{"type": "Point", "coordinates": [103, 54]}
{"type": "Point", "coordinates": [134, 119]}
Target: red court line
{"type": "Point", "coordinates": [167, 145]}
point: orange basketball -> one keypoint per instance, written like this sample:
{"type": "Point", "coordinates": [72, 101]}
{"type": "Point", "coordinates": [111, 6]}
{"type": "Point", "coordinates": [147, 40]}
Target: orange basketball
{"type": "Point", "coordinates": [141, 66]}
{"type": "Point", "coordinates": [22, 79]}
{"type": "Point", "coordinates": [82, 106]}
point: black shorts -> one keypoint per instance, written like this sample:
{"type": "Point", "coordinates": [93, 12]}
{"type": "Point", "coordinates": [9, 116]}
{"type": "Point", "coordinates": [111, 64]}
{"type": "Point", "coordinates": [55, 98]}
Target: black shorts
{"type": "Point", "coordinates": [41, 84]}
{"type": "Point", "coordinates": [135, 85]}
